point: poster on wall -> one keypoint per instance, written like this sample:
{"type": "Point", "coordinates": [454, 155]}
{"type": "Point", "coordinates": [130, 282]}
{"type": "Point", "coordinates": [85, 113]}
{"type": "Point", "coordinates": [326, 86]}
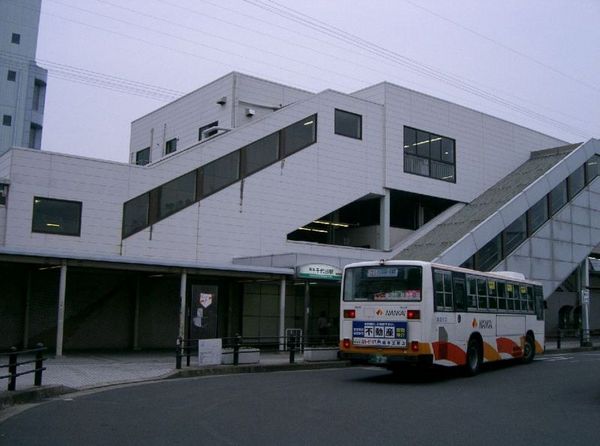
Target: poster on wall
{"type": "Point", "coordinates": [203, 314]}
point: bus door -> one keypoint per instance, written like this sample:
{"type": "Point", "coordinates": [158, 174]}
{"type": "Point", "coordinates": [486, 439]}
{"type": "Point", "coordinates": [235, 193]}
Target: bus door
{"type": "Point", "coordinates": [449, 300]}
{"type": "Point", "coordinates": [463, 324]}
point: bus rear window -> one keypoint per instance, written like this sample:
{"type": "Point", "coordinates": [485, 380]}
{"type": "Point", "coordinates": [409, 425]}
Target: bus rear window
{"type": "Point", "coordinates": [383, 283]}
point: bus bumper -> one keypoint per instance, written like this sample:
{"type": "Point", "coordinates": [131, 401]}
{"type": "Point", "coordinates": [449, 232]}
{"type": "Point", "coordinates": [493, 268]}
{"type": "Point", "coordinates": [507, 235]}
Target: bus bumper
{"type": "Point", "coordinates": [389, 361]}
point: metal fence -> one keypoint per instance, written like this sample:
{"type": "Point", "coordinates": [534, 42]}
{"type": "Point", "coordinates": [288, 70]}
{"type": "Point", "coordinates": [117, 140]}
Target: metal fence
{"type": "Point", "coordinates": [293, 343]}
{"type": "Point", "coordinates": [570, 337]}
{"type": "Point", "coordinates": [14, 364]}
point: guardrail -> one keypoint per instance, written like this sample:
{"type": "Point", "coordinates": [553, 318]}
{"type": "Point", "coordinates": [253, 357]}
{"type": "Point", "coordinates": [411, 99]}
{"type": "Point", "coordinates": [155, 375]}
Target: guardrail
{"type": "Point", "coordinates": [572, 334]}
{"type": "Point", "coordinates": [293, 344]}
{"type": "Point", "coordinates": [14, 363]}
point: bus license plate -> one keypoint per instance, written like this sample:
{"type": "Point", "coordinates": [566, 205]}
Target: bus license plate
{"type": "Point", "coordinates": [379, 334]}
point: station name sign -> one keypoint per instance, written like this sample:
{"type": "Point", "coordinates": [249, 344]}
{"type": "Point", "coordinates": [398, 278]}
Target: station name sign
{"type": "Point", "coordinates": [318, 271]}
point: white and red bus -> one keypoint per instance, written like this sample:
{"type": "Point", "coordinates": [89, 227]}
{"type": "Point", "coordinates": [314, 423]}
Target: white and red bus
{"type": "Point", "coordinates": [410, 312]}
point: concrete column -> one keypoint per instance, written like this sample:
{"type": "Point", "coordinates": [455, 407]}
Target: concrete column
{"type": "Point", "coordinates": [384, 221]}
{"type": "Point", "coordinates": [136, 315]}
{"type": "Point", "coordinates": [282, 314]}
{"type": "Point", "coordinates": [60, 324]}
{"type": "Point", "coordinates": [27, 306]}
{"type": "Point", "coordinates": [584, 292]}
{"type": "Point", "coordinates": [306, 310]}
{"type": "Point", "coordinates": [182, 296]}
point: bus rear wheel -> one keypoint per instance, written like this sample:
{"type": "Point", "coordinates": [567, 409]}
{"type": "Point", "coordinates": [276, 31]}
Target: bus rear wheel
{"type": "Point", "coordinates": [474, 357]}
{"type": "Point", "coordinates": [529, 349]}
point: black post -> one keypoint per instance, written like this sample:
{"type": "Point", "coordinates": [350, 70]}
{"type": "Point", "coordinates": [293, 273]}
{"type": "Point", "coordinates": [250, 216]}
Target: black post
{"type": "Point", "coordinates": [12, 369]}
{"type": "Point", "coordinates": [292, 345]}
{"type": "Point", "coordinates": [39, 364]}
{"type": "Point", "coordinates": [178, 353]}
{"type": "Point", "coordinates": [558, 339]}
{"type": "Point", "coordinates": [236, 349]}
{"type": "Point", "coordinates": [187, 353]}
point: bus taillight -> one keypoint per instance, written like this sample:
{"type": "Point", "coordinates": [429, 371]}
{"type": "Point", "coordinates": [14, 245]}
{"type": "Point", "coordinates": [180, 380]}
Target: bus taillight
{"type": "Point", "coordinates": [346, 343]}
{"type": "Point", "coordinates": [414, 346]}
{"type": "Point", "coordinates": [413, 314]}
{"type": "Point", "coordinates": [349, 314]}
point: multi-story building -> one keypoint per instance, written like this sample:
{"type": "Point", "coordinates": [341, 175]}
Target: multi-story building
{"type": "Point", "coordinates": [22, 81]}
{"type": "Point", "coordinates": [251, 196]}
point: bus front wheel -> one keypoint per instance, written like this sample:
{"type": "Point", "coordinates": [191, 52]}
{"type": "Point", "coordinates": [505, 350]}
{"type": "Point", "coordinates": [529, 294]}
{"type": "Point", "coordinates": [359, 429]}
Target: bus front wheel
{"type": "Point", "coordinates": [474, 357]}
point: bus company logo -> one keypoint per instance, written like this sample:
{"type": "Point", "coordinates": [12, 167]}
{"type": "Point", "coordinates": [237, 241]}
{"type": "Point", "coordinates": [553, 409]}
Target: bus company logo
{"type": "Point", "coordinates": [474, 323]}
{"type": "Point", "coordinates": [379, 312]}
{"type": "Point", "coordinates": [397, 312]}
{"type": "Point", "coordinates": [486, 324]}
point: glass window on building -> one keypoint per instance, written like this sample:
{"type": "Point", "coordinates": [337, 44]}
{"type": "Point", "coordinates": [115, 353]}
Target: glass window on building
{"type": "Point", "coordinates": [3, 194]}
{"type": "Point", "coordinates": [11, 76]}
{"type": "Point", "coordinates": [142, 157]}
{"type": "Point", "coordinates": [558, 197]}
{"type": "Point", "coordinates": [220, 173]}
{"type": "Point", "coordinates": [177, 194]}
{"type": "Point", "coordinates": [7, 120]}
{"type": "Point", "coordinates": [576, 181]}
{"type": "Point", "coordinates": [205, 132]}
{"type": "Point", "coordinates": [410, 141]}
{"type": "Point", "coordinates": [348, 124]}
{"type": "Point", "coordinates": [52, 216]}
{"type": "Point", "coordinates": [135, 214]}
{"type": "Point", "coordinates": [592, 168]}
{"type": "Point", "coordinates": [260, 154]}
{"type": "Point", "coordinates": [514, 234]}
{"type": "Point", "coordinates": [537, 215]}
{"type": "Point", "coordinates": [15, 38]}
{"type": "Point", "coordinates": [489, 255]}
{"type": "Point", "coordinates": [429, 155]}
{"type": "Point", "coordinates": [171, 146]}
{"type": "Point", "coordinates": [299, 135]}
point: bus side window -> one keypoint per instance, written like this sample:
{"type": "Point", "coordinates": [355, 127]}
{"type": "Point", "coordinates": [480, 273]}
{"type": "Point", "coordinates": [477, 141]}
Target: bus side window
{"type": "Point", "coordinates": [492, 291]}
{"type": "Point", "coordinates": [501, 296]}
{"type": "Point", "coordinates": [523, 291]}
{"type": "Point", "coordinates": [530, 300]}
{"type": "Point", "coordinates": [510, 295]}
{"type": "Point", "coordinates": [482, 294]}
{"type": "Point", "coordinates": [539, 302]}
{"type": "Point", "coordinates": [448, 290]}
{"type": "Point", "coordinates": [471, 293]}
{"type": "Point", "coordinates": [460, 297]}
{"type": "Point", "coordinates": [438, 280]}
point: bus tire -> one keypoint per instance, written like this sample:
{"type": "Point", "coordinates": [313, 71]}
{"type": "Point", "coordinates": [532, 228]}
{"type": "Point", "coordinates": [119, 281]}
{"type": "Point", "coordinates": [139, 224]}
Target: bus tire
{"type": "Point", "coordinates": [474, 357]}
{"type": "Point", "coordinates": [529, 349]}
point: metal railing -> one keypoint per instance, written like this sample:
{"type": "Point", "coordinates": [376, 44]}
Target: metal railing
{"type": "Point", "coordinates": [292, 344]}
{"type": "Point", "coordinates": [14, 363]}
{"type": "Point", "coordinates": [563, 335]}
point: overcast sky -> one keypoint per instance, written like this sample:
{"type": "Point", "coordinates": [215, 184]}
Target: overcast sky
{"type": "Point", "coordinates": [534, 62]}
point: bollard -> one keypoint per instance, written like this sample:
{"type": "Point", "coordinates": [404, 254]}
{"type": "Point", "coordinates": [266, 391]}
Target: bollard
{"type": "Point", "coordinates": [292, 345]}
{"type": "Point", "coordinates": [39, 365]}
{"type": "Point", "coordinates": [12, 369]}
{"type": "Point", "coordinates": [178, 353]}
{"type": "Point", "coordinates": [236, 349]}
{"type": "Point", "coordinates": [558, 340]}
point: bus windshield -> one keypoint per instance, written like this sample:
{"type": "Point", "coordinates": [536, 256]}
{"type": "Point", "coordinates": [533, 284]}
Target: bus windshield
{"type": "Point", "coordinates": [383, 283]}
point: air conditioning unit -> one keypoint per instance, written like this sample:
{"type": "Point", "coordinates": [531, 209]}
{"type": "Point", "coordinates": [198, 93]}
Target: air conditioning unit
{"type": "Point", "coordinates": [222, 101]}
{"type": "Point", "coordinates": [250, 112]}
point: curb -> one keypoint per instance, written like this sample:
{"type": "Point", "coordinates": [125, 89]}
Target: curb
{"type": "Point", "coordinates": [32, 395]}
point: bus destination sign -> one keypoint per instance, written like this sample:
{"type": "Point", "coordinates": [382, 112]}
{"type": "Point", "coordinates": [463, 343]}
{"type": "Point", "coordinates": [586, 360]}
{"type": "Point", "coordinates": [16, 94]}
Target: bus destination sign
{"type": "Point", "coordinates": [379, 334]}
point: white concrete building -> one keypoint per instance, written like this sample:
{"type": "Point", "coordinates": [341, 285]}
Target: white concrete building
{"type": "Point", "coordinates": [22, 81]}
{"type": "Point", "coordinates": [256, 194]}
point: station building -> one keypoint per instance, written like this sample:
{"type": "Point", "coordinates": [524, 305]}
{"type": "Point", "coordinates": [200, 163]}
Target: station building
{"type": "Point", "coordinates": [244, 199]}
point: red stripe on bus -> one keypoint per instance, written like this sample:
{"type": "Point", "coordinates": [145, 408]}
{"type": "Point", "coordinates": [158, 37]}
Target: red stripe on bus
{"type": "Point", "coordinates": [506, 345]}
{"type": "Point", "coordinates": [450, 352]}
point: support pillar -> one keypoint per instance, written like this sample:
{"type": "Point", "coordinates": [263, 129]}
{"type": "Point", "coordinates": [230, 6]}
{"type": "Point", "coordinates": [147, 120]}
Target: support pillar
{"type": "Point", "coordinates": [182, 297]}
{"type": "Point", "coordinates": [306, 311]}
{"type": "Point", "coordinates": [60, 324]}
{"type": "Point", "coordinates": [282, 315]}
{"type": "Point", "coordinates": [136, 315]}
{"type": "Point", "coordinates": [584, 293]}
{"type": "Point", "coordinates": [26, 311]}
{"type": "Point", "coordinates": [384, 221]}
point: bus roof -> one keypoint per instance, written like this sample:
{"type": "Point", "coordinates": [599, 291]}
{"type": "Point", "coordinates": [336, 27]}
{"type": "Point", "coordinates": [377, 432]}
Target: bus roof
{"type": "Point", "coordinates": [500, 275]}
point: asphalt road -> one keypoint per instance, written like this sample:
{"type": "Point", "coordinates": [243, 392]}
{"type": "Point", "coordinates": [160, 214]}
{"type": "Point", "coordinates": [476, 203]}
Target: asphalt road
{"type": "Point", "coordinates": [553, 401]}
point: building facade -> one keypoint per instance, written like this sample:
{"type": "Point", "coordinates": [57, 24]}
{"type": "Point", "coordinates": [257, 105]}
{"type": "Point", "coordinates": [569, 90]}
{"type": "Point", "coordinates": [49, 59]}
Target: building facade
{"type": "Point", "coordinates": [251, 196]}
{"type": "Point", "coordinates": [22, 81]}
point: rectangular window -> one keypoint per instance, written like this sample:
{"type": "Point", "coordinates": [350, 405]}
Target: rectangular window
{"type": "Point", "coordinates": [203, 133]}
{"type": "Point", "coordinates": [348, 124]}
{"type": "Point", "coordinates": [537, 215]}
{"type": "Point", "coordinates": [7, 120]}
{"type": "Point", "coordinates": [383, 283]}
{"type": "Point", "coordinates": [52, 216]}
{"type": "Point", "coordinates": [558, 197]}
{"type": "Point", "coordinates": [489, 255]}
{"type": "Point", "coordinates": [299, 135]}
{"type": "Point", "coordinates": [16, 38]}
{"type": "Point", "coordinates": [492, 294]}
{"type": "Point", "coordinates": [171, 146]}
{"type": "Point", "coordinates": [39, 90]}
{"type": "Point", "coordinates": [539, 302]}
{"type": "Point", "coordinates": [35, 136]}
{"type": "Point", "coordinates": [501, 296]}
{"type": "Point", "coordinates": [260, 154]}
{"type": "Point", "coordinates": [177, 194]}
{"type": "Point", "coordinates": [592, 168]}
{"type": "Point", "coordinates": [3, 194]}
{"type": "Point", "coordinates": [142, 157]}
{"type": "Point", "coordinates": [429, 155]}
{"type": "Point", "coordinates": [220, 173]}
{"type": "Point", "coordinates": [514, 234]}
{"type": "Point", "coordinates": [471, 293]}
{"type": "Point", "coordinates": [11, 76]}
{"type": "Point", "coordinates": [443, 290]}
{"type": "Point", "coordinates": [482, 294]}
{"type": "Point", "coordinates": [135, 214]}
{"type": "Point", "coordinates": [576, 181]}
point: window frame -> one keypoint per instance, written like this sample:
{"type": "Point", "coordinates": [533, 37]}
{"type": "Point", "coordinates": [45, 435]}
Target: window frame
{"type": "Point", "coordinates": [202, 129]}
{"type": "Point", "coordinates": [40, 230]}
{"type": "Point", "coordinates": [137, 156]}
{"type": "Point", "coordinates": [11, 76]}
{"type": "Point", "coordinates": [337, 131]}
{"type": "Point", "coordinates": [424, 155]}
{"type": "Point", "coordinates": [171, 146]}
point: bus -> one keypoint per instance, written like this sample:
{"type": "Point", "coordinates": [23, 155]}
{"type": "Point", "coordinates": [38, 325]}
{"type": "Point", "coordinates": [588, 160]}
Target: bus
{"type": "Point", "coordinates": [394, 313]}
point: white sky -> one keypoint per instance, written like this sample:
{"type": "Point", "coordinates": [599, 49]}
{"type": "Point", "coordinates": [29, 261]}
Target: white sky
{"type": "Point", "coordinates": [538, 56]}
